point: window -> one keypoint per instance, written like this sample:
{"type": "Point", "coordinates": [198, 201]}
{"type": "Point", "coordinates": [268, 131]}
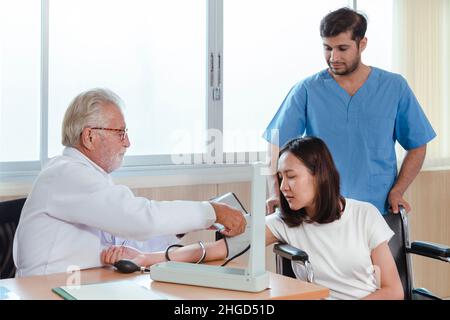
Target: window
{"type": "Point", "coordinates": [268, 47]}
{"type": "Point", "coordinates": [19, 80]}
{"type": "Point", "coordinates": [379, 32]}
{"type": "Point", "coordinates": [150, 52]}
{"type": "Point", "coordinates": [180, 66]}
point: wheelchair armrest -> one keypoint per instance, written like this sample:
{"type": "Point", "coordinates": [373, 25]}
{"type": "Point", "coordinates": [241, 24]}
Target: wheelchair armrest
{"type": "Point", "coordinates": [431, 250]}
{"type": "Point", "coordinates": [423, 294]}
{"type": "Point", "coordinates": [289, 252]}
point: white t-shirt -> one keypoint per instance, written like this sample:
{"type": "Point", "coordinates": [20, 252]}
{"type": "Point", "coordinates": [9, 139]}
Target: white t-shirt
{"type": "Point", "coordinates": [339, 251]}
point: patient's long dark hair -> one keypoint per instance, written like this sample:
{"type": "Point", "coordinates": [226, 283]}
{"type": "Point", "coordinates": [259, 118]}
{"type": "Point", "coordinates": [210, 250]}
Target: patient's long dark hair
{"type": "Point", "coordinates": [329, 203]}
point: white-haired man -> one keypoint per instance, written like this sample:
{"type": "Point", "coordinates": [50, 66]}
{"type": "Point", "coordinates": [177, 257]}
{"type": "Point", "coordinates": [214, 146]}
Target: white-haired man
{"type": "Point", "coordinates": [74, 201]}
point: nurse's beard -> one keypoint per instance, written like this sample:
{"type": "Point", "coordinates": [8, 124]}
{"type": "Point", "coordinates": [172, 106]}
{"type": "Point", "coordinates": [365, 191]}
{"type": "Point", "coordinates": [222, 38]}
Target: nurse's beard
{"type": "Point", "coordinates": [346, 71]}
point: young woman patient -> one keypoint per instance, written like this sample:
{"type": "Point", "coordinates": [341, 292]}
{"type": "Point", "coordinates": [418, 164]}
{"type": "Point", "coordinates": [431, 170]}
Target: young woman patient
{"type": "Point", "coordinates": [346, 240]}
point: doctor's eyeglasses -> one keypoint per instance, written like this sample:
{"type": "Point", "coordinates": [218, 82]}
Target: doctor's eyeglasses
{"type": "Point", "coordinates": [123, 132]}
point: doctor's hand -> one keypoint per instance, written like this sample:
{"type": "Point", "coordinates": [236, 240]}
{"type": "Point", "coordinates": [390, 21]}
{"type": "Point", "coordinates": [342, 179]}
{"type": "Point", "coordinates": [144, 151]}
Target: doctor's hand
{"type": "Point", "coordinates": [115, 253]}
{"type": "Point", "coordinates": [232, 219]}
{"type": "Point", "coordinates": [395, 199]}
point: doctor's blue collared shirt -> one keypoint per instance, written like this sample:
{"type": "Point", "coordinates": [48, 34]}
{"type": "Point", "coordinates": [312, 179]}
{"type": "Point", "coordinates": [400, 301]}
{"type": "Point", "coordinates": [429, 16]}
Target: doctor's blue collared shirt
{"type": "Point", "coordinates": [360, 130]}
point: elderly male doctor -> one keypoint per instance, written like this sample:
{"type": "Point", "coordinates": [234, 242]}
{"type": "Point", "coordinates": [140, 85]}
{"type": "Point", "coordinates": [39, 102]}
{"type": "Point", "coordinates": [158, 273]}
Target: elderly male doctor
{"type": "Point", "coordinates": [74, 200]}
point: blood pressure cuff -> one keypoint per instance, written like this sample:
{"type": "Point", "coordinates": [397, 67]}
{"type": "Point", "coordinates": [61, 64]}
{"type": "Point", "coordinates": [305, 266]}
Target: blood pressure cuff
{"type": "Point", "coordinates": [239, 244]}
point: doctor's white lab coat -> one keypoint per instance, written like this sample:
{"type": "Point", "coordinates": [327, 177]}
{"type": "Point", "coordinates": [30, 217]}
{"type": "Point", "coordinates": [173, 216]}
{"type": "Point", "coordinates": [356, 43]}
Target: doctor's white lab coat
{"type": "Point", "coordinates": [73, 200]}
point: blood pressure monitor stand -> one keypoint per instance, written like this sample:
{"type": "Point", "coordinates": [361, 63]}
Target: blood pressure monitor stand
{"type": "Point", "coordinates": [254, 278]}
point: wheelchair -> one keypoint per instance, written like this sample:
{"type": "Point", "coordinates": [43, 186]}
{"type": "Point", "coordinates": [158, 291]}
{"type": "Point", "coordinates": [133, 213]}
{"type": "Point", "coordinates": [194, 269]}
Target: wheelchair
{"type": "Point", "coordinates": [400, 247]}
{"type": "Point", "coordinates": [9, 219]}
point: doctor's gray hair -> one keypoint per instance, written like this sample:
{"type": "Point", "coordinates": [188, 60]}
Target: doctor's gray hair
{"type": "Point", "coordinates": [85, 111]}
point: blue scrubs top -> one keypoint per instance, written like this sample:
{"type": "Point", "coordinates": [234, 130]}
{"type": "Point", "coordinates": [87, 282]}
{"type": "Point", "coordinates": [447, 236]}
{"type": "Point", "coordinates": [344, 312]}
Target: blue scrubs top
{"type": "Point", "coordinates": [360, 130]}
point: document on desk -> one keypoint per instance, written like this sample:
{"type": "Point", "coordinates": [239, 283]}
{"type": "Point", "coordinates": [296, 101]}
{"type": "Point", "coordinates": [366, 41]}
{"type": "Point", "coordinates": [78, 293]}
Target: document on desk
{"type": "Point", "coordinates": [6, 294]}
{"type": "Point", "coordinates": [114, 290]}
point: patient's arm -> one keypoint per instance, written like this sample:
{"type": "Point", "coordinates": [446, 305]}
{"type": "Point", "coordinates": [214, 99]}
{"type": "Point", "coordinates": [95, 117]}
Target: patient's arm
{"type": "Point", "coordinates": [115, 252]}
{"type": "Point", "coordinates": [270, 238]}
{"type": "Point", "coordinates": [391, 286]}
{"type": "Point", "coordinates": [191, 253]}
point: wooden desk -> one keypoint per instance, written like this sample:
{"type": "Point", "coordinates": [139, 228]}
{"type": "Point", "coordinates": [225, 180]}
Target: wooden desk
{"type": "Point", "coordinates": [281, 287]}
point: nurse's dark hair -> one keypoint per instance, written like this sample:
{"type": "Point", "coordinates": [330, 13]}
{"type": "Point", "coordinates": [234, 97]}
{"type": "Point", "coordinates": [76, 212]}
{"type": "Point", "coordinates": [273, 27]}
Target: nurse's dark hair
{"type": "Point", "coordinates": [329, 203]}
{"type": "Point", "coordinates": [343, 20]}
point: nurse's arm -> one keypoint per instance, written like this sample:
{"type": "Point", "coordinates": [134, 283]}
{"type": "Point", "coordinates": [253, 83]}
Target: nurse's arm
{"type": "Point", "coordinates": [274, 192]}
{"type": "Point", "coordinates": [410, 168]}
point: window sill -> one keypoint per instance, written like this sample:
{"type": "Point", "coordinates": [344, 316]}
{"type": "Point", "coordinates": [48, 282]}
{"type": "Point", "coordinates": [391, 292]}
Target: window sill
{"type": "Point", "coordinates": [148, 177]}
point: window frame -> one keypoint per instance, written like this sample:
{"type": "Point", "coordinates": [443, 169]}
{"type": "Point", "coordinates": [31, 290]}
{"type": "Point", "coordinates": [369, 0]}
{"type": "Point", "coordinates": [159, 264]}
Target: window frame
{"type": "Point", "coordinates": [147, 164]}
